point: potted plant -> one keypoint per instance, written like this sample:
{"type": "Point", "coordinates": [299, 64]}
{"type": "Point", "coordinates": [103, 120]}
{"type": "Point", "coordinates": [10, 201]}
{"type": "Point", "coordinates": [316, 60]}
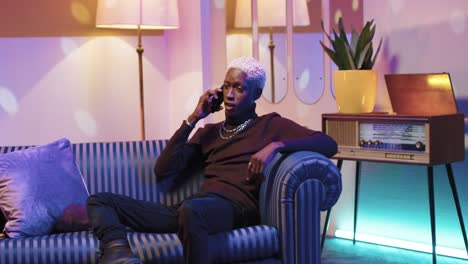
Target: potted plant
{"type": "Point", "coordinates": [355, 82]}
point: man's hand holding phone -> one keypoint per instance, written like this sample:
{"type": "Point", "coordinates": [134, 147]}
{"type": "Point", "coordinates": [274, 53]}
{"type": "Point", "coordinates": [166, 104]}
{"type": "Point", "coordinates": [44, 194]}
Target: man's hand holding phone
{"type": "Point", "coordinates": [209, 102]}
{"type": "Point", "coordinates": [216, 100]}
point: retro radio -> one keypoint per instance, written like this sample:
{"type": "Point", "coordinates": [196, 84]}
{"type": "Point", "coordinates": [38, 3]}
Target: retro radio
{"type": "Point", "coordinates": [425, 128]}
{"type": "Point", "coordinates": [426, 140]}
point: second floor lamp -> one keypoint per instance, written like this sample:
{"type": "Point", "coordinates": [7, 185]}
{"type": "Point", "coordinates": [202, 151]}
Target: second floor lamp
{"type": "Point", "coordinates": [271, 13]}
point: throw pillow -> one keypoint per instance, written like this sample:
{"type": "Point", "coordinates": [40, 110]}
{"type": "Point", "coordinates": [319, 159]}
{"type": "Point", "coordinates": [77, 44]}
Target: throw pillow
{"type": "Point", "coordinates": [40, 187]}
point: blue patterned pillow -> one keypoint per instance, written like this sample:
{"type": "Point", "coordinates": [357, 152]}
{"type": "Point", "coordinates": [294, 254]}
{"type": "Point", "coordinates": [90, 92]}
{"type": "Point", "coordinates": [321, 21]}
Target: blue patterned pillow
{"type": "Point", "coordinates": [39, 186]}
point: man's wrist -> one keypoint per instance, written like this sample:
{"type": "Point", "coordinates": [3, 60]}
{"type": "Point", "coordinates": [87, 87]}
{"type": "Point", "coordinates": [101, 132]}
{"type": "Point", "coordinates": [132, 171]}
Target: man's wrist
{"type": "Point", "coordinates": [191, 121]}
{"type": "Point", "coordinates": [188, 123]}
{"type": "Point", "coordinates": [279, 146]}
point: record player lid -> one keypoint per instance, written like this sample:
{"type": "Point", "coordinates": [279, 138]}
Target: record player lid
{"type": "Point", "coordinates": [421, 94]}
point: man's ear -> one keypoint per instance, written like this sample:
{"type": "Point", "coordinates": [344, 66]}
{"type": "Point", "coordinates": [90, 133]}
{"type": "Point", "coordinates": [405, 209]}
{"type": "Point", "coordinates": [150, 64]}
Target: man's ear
{"type": "Point", "coordinates": [257, 93]}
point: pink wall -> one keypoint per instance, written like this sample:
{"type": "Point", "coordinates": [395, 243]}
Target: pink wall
{"type": "Point", "coordinates": [421, 36]}
{"type": "Point", "coordinates": [82, 88]}
{"type": "Point", "coordinates": [78, 82]}
{"type": "Point", "coordinates": [185, 64]}
{"type": "Point", "coordinates": [62, 77]}
{"type": "Point", "coordinates": [196, 58]}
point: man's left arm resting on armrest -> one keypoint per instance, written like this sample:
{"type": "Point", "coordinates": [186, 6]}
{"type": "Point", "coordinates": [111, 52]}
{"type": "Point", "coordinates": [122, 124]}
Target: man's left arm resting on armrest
{"type": "Point", "coordinates": [318, 142]}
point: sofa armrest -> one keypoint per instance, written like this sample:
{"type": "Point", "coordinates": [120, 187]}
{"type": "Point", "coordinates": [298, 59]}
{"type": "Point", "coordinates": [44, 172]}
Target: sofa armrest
{"type": "Point", "coordinates": [297, 187]}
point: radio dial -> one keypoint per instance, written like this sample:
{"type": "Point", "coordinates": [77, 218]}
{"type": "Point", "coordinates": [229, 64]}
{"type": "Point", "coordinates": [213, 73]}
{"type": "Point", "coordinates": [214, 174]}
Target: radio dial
{"type": "Point", "coordinates": [419, 145]}
{"type": "Point", "coordinates": [362, 142]}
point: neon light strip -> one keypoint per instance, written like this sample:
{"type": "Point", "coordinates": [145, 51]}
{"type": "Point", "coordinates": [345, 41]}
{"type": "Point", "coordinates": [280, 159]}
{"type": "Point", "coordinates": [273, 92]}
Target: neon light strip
{"type": "Point", "coordinates": [451, 252]}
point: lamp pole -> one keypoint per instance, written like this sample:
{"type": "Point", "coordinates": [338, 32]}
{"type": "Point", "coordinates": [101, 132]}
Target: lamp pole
{"type": "Point", "coordinates": [271, 46]}
{"type": "Point", "coordinates": [153, 14]}
{"type": "Point", "coordinates": [142, 97]}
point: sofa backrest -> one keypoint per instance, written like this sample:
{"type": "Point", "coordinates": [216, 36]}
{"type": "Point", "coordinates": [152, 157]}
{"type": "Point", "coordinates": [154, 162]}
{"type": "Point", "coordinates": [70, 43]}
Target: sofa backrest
{"type": "Point", "coordinates": [125, 168]}
{"type": "Point", "coordinates": [120, 167]}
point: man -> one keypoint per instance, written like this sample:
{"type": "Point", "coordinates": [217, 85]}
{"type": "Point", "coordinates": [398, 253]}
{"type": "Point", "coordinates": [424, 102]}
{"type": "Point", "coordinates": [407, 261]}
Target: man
{"type": "Point", "coordinates": [233, 153]}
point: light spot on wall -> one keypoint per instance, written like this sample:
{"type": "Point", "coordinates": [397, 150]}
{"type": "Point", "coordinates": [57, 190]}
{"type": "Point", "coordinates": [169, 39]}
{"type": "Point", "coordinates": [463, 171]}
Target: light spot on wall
{"type": "Point", "coordinates": [85, 122]}
{"type": "Point", "coordinates": [80, 12]}
{"type": "Point", "coordinates": [191, 102]}
{"type": "Point", "coordinates": [396, 6]}
{"type": "Point", "coordinates": [355, 5]}
{"type": "Point", "coordinates": [457, 22]}
{"type": "Point", "coordinates": [8, 101]}
{"type": "Point", "coordinates": [338, 15]}
{"type": "Point", "coordinates": [219, 4]}
{"type": "Point", "coordinates": [304, 80]}
{"type": "Point", "coordinates": [68, 45]}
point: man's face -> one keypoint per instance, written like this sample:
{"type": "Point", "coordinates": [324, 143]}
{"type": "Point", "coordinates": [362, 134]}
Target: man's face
{"type": "Point", "coordinates": [238, 97]}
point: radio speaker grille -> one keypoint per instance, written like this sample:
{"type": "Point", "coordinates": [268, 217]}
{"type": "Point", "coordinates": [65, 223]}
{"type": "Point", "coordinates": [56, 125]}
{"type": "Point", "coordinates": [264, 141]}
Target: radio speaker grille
{"type": "Point", "coordinates": [343, 132]}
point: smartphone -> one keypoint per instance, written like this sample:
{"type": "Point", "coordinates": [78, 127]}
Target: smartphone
{"type": "Point", "coordinates": [215, 103]}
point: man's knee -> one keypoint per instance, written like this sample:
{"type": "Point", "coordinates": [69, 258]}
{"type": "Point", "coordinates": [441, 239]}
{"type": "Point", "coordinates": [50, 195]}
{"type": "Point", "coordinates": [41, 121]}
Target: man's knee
{"type": "Point", "coordinates": [190, 212]}
{"type": "Point", "coordinates": [100, 199]}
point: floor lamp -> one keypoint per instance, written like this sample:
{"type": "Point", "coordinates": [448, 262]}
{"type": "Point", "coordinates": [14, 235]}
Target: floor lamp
{"type": "Point", "coordinates": [271, 13]}
{"type": "Point", "coordinates": [138, 15]}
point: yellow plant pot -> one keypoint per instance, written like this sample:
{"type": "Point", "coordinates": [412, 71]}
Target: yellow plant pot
{"type": "Point", "coordinates": [355, 90]}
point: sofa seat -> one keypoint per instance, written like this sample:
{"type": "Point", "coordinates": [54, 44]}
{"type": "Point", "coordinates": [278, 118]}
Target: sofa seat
{"type": "Point", "coordinates": [250, 243]}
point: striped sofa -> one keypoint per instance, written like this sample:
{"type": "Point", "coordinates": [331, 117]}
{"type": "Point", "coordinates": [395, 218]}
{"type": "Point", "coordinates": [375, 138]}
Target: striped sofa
{"type": "Point", "coordinates": [297, 187]}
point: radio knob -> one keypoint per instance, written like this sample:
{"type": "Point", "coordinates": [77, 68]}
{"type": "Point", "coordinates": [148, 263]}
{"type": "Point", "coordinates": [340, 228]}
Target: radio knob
{"type": "Point", "coordinates": [378, 143]}
{"type": "Point", "coordinates": [419, 145]}
{"type": "Point", "coordinates": [362, 142]}
{"type": "Point", "coordinates": [369, 142]}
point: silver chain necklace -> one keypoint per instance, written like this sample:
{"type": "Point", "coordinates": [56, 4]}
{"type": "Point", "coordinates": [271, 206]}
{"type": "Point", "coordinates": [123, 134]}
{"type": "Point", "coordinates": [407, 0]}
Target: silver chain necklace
{"type": "Point", "coordinates": [234, 131]}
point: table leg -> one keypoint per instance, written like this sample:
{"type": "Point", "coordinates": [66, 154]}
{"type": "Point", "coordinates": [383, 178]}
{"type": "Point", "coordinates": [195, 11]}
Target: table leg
{"type": "Point", "coordinates": [356, 198]}
{"type": "Point", "coordinates": [430, 179]}
{"type": "Point", "coordinates": [457, 202]}
{"type": "Point", "coordinates": [325, 228]}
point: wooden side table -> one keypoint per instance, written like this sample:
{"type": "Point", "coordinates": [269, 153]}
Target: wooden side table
{"type": "Point", "coordinates": [359, 138]}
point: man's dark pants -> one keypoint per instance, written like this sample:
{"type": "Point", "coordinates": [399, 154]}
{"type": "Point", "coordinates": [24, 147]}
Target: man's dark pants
{"type": "Point", "coordinates": [194, 219]}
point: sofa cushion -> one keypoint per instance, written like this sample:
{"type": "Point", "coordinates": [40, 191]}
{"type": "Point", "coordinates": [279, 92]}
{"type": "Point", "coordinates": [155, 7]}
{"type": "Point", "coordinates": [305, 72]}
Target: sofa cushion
{"type": "Point", "coordinates": [41, 188]}
{"type": "Point", "coordinates": [245, 244]}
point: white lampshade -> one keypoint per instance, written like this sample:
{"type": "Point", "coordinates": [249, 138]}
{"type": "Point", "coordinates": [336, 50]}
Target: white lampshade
{"type": "Point", "coordinates": [149, 14]}
{"type": "Point", "coordinates": [271, 13]}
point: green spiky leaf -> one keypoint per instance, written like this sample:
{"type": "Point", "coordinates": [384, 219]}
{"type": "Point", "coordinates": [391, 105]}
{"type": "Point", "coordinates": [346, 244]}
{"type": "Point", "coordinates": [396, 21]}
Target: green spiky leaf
{"type": "Point", "coordinates": [342, 31]}
{"type": "Point", "coordinates": [367, 64]}
{"type": "Point", "coordinates": [356, 54]}
{"type": "Point", "coordinates": [362, 56]}
{"type": "Point", "coordinates": [354, 40]}
{"type": "Point", "coordinates": [349, 58]}
{"type": "Point", "coordinates": [330, 53]}
{"type": "Point", "coordinates": [376, 53]}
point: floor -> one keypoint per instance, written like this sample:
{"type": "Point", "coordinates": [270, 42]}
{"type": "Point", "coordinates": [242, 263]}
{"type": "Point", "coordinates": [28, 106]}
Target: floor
{"type": "Point", "coordinates": [341, 251]}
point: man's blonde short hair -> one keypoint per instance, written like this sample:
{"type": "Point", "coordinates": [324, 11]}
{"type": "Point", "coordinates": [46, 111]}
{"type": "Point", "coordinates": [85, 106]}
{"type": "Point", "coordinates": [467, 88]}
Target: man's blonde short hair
{"type": "Point", "coordinates": [255, 72]}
